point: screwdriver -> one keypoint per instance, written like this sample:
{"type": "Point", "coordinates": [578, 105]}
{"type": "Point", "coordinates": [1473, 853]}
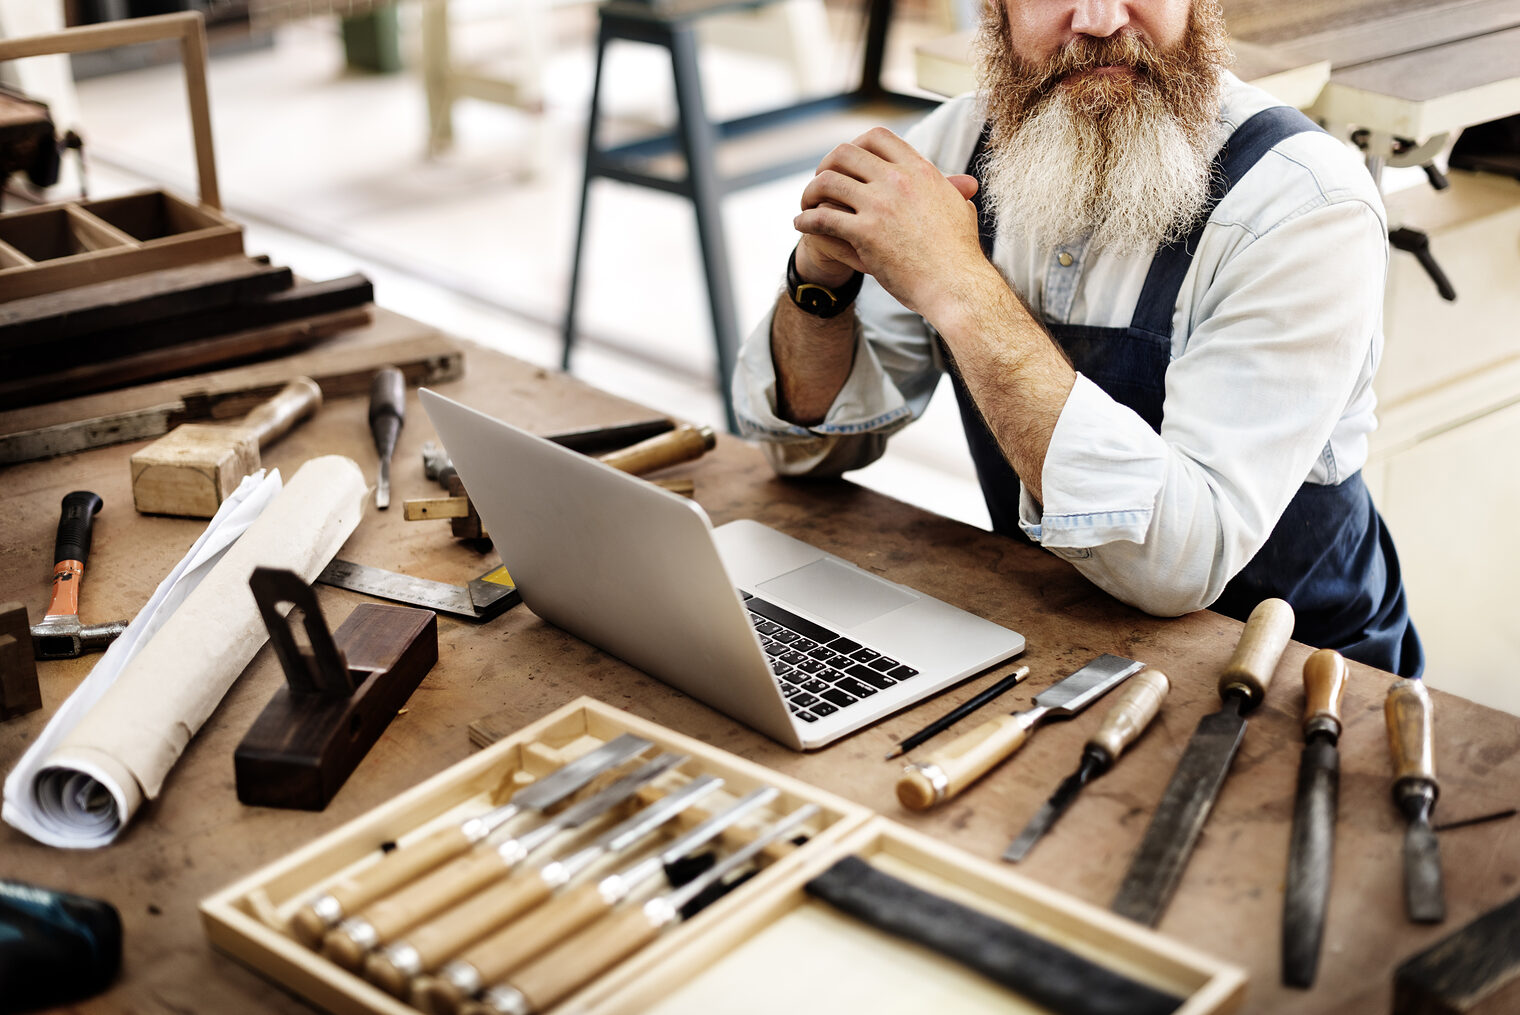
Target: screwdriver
{"type": "Point", "coordinates": [387, 410]}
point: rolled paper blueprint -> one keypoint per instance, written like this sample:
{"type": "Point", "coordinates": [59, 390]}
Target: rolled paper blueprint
{"type": "Point", "coordinates": [99, 760]}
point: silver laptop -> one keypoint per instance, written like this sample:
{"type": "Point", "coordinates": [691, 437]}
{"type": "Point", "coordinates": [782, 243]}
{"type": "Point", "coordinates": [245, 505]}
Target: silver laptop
{"type": "Point", "coordinates": [794, 642]}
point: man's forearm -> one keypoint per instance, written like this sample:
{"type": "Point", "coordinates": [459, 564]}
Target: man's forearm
{"type": "Point", "coordinates": [813, 357]}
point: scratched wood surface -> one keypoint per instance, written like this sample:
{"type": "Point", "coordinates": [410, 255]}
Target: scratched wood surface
{"type": "Point", "coordinates": [197, 838]}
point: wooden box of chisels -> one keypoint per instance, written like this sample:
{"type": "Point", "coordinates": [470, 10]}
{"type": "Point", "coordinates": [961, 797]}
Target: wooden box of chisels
{"type": "Point", "coordinates": [58, 246]}
{"type": "Point", "coordinates": [597, 862]}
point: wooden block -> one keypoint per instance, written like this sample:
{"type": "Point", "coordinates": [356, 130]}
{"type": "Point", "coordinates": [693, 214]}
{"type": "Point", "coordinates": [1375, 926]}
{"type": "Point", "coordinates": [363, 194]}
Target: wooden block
{"type": "Point", "coordinates": [304, 744]}
{"type": "Point", "coordinates": [192, 470]}
{"type": "Point", "coordinates": [1475, 971]}
{"type": "Point", "coordinates": [19, 692]}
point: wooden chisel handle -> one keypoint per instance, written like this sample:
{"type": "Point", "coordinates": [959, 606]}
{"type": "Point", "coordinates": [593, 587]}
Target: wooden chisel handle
{"type": "Point", "coordinates": [395, 869]}
{"type": "Point", "coordinates": [444, 936]}
{"type": "Point", "coordinates": [1136, 707]}
{"type": "Point", "coordinates": [506, 949]}
{"type": "Point", "coordinates": [1324, 683]}
{"type": "Point", "coordinates": [1407, 711]}
{"type": "Point", "coordinates": [416, 902]}
{"type": "Point", "coordinates": [1268, 630]}
{"type": "Point", "coordinates": [682, 444]}
{"type": "Point", "coordinates": [273, 419]}
{"type": "Point", "coordinates": [557, 974]}
{"type": "Point", "coordinates": [961, 762]}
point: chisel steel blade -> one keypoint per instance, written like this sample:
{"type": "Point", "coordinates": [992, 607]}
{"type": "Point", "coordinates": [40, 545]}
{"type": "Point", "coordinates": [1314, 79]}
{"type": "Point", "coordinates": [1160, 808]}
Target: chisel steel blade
{"type": "Point", "coordinates": [1424, 892]}
{"type": "Point", "coordinates": [1310, 851]}
{"type": "Point", "coordinates": [1163, 853]}
{"type": "Point", "coordinates": [1046, 816]}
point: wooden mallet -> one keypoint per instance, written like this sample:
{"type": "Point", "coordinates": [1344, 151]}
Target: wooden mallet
{"type": "Point", "coordinates": [193, 468]}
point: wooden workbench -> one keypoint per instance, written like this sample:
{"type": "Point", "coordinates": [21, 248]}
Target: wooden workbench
{"type": "Point", "coordinates": [197, 838]}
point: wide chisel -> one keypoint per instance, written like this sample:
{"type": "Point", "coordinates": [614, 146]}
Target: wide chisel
{"type": "Point", "coordinates": [1407, 711]}
{"type": "Point", "coordinates": [399, 866]}
{"type": "Point", "coordinates": [1311, 844]}
{"type": "Point", "coordinates": [958, 764]}
{"type": "Point", "coordinates": [1163, 853]}
{"type": "Point", "coordinates": [1136, 707]}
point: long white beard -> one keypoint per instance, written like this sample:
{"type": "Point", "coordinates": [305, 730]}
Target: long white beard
{"type": "Point", "coordinates": [1133, 181]}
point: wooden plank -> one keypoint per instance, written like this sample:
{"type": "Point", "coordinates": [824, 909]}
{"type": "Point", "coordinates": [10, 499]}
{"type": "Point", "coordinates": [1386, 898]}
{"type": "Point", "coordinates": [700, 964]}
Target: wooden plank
{"type": "Point", "coordinates": [180, 333]}
{"type": "Point", "coordinates": [1357, 31]}
{"type": "Point", "coordinates": [153, 410]}
{"type": "Point", "coordinates": [253, 344]}
{"type": "Point", "coordinates": [138, 299]}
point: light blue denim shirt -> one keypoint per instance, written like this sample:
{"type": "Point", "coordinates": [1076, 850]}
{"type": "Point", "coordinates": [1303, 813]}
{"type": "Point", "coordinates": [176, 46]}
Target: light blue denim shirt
{"type": "Point", "coordinates": [1276, 335]}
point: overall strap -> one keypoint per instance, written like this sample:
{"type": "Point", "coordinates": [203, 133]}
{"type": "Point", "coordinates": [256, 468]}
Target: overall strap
{"type": "Point", "coordinates": [1242, 150]}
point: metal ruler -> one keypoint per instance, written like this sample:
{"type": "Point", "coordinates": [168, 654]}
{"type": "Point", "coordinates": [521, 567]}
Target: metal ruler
{"type": "Point", "coordinates": [483, 599]}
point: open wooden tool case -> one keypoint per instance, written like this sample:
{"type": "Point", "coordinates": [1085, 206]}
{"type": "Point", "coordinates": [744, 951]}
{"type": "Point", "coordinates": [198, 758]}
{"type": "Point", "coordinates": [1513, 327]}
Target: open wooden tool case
{"type": "Point", "coordinates": [765, 946]}
{"type": "Point", "coordinates": [70, 243]}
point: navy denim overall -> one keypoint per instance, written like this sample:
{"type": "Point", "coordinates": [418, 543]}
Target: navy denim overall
{"type": "Point", "coordinates": [1330, 555]}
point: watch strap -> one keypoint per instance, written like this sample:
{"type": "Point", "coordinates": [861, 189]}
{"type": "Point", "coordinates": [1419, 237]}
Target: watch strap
{"type": "Point", "coordinates": [820, 300]}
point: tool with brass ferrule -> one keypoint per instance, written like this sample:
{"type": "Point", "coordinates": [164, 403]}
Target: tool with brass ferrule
{"type": "Point", "coordinates": [1311, 844]}
{"type": "Point", "coordinates": [571, 911]}
{"type": "Point", "coordinates": [347, 895]}
{"type": "Point", "coordinates": [1407, 711]}
{"type": "Point", "coordinates": [348, 943]}
{"type": "Point", "coordinates": [552, 977]}
{"type": "Point", "coordinates": [1163, 853]}
{"type": "Point", "coordinates": [387, 411]}
{"type": "Point", "coordinates": [1136, 707]}
{"type": "Point", "coordinates": [957, 765]}
{"type": "Point", "coordinates": [425, 947]}
{"type": "Point", "coordinates": [60, 635]}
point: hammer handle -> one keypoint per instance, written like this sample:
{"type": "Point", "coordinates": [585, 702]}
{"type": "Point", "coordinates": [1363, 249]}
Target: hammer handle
{"type": "Point", "coordinates": [682, 444]}
{"type": "Point", "coordinates": [70, 548]}
{"type": "Point", "coordinates": [273, 419]}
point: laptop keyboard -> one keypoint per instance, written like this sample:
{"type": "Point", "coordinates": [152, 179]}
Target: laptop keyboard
{"type": "Point", "coordinates": [819, 671]}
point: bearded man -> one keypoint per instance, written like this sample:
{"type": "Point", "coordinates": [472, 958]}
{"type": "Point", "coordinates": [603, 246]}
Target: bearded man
{"type": "Point", "coordinates": [1158, 293]}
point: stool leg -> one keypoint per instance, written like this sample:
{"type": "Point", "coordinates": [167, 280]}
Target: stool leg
{"type": "Point", "coordinates": [592, 158]}
{"type": "Point", "coordinates": [699, 144]}
{"type": "Point", "coordinates": [437, 69]}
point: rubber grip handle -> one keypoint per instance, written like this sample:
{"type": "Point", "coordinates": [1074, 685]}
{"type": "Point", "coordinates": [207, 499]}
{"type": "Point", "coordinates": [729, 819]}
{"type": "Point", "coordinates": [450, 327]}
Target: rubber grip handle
{"type": "Point", "coordinates": [963, 761]}
{"type": "Point", "coordinates": [74, 525]}
{"type": "Point", "coordinates": [556, 975]}
{"type": "Point", "coordinates": [273, 419]}
{"type": "Point", "coordinates": [435, 892]}
{"type": "Point", "coordinates": [515, 944]}
{"type": "Point", "coordinates": [396, 868]}
{"type": "Point", "coordinates": [1408, 714]}
{"type": "Point", "coordinates": [1325, 673]}
{"type": "Point", "coordinates": [1268, 630]}
{"type": "Point", "coordinates": [1136, 707]}
{"type": "Point", "coordinates": [682, 444]}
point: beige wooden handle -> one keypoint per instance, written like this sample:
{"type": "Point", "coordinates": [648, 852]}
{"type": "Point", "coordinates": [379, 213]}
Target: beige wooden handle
{"type": "Point", "coordinates": [393, 870]}
{"type": "Point", "coordinates": [957, 765]}
{"type": "Point", "coordinates": [434, 892]}
{"type": "Point", "coordinates": [1325, 674]}
{"type": "Point", "coordinates": [1268, 630]}
{"type": "Point", "coordinates": [682, 444]}
{"type": "Point", "coordinates": [510, 947]}
{"type": "Point", "coordinates": [274, 418]}
{"type": "Point", "coordinates": [1407, 711]}
{"type": "Point", "coordinates": [1134, 710]}
{"type": "Point", "coordinates": [557, 974]}
{"type": "Point", "coordinates": [453, 931]}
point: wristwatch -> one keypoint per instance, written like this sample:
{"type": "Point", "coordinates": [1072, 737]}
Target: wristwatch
{"type": "Point", "coordinates": [819, 300]}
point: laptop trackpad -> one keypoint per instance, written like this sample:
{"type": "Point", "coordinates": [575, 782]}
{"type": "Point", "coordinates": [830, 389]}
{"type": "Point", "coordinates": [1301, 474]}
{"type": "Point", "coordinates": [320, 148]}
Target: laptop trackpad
{"type": "Point", "coordinates": [838, 594]}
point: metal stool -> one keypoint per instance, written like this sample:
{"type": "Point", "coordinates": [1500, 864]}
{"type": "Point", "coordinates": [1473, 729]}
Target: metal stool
{"type": "Point", "coordinates": [695, 138]}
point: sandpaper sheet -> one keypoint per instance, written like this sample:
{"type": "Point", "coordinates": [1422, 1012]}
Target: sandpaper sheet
{"type": "Point", "coordinates": [111, 745]}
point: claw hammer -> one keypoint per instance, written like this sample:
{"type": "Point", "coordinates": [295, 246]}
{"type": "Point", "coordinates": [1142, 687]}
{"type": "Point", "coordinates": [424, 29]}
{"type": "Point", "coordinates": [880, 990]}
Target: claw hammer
{"type": "Point", "coordinates": [61, 635]}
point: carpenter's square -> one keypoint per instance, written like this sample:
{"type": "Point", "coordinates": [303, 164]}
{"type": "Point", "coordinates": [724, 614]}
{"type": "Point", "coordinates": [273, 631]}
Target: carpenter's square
{"type": "Point", "coordinates": [485, 598]}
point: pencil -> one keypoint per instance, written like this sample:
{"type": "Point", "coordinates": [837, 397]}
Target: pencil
{"type": "Point", "coordinates": [958, 713]}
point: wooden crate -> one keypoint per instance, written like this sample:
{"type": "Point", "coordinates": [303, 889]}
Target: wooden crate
{"type": "Point", "coordinates": [69, 243]}
{"type": "Point", "coordinates": [728, 950]}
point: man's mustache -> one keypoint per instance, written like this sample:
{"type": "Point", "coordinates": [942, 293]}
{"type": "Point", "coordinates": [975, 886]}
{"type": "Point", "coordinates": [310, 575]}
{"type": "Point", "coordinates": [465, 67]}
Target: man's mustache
{"type": "Point", "coordinates": [1084, 53]}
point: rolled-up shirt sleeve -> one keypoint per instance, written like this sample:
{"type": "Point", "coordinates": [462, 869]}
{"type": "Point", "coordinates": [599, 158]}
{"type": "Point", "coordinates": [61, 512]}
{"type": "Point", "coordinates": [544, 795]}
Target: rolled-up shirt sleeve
{"type": "Point", "coordinates": [1280, 338]}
